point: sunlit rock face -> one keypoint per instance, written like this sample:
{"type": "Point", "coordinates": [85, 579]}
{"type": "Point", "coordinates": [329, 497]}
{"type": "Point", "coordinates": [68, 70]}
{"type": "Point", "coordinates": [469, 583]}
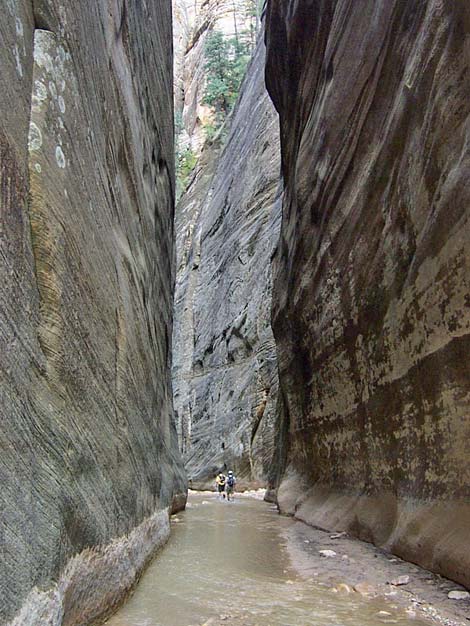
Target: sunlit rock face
{"type": "Point", "coordinates": [225, 372]}
{"type": "Point", "coordinates": [89, 461]}
{"type": "Point", "coordinates": [193, 21]}
{"type": "Point", "coordinates": [371, 293]}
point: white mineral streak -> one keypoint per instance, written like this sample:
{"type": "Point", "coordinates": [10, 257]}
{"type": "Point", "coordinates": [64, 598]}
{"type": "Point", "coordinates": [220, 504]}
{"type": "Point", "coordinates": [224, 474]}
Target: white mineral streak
{"type": "Point", "coordinates": [100, 571]}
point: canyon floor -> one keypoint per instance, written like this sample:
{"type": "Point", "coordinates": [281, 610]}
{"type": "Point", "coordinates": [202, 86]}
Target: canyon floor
{"type": "Point", "coordinates": [365, 569]}
{"type": "Point", "coordinates": [242, 564]}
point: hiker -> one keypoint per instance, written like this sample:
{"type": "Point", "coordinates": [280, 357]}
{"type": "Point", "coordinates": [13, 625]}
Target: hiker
{"type": "Point", "coordinates": [220, 482]}
{"type": "Point", "coordinates": [231, 482]}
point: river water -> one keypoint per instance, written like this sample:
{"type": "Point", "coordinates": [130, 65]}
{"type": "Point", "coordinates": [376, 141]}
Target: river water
{"type": "Point", "coordinates": [229, 563]}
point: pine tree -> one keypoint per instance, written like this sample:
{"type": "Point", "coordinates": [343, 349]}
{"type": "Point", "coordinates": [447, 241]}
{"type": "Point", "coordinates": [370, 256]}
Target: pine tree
{"type": "Point", "coordinates": [225, 64]}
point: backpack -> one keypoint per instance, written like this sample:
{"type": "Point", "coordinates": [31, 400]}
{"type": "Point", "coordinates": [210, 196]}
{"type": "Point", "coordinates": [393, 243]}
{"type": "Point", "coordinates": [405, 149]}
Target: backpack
{"type": "Point", "coordinates": [231, 481]}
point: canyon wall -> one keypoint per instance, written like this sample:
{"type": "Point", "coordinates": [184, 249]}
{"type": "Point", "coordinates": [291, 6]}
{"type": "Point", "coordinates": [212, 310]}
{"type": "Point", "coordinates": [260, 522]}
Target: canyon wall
{"type": "Point", "coordinates": [227, 223]}
{"type": "Point", "coordinates": [90, 464]}
{"type": "Point", "coordinates": [193, 21]}
{"type": "Point", "coordinates": [371, 305]}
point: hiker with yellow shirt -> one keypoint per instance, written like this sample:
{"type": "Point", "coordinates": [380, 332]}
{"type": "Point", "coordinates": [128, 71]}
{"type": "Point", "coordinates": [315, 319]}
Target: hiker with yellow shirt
{"type": "Point", "coordinates": [220, 484]}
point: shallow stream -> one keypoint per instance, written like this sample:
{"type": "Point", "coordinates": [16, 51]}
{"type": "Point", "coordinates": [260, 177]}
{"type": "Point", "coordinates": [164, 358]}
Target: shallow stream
{"type": "Point", "coordinates": [229, 563]}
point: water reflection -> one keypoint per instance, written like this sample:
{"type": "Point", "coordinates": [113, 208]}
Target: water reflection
{"type": "Point", "coordinates": [230, 559]}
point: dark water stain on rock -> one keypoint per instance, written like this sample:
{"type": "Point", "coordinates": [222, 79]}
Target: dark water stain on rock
{"type": "Point", "coordinates": [369, 296]}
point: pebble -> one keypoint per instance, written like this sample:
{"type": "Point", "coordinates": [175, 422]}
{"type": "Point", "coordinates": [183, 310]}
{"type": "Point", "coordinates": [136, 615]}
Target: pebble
{"type": "Point", "coordinates": [365, 589]}
{"type": "Point", "coordinates": [343, 588]}
{"type": "Point", "coordinates": [401, 580]}
{"type": "Point", "coordinates": [327, 553]}
{"type": "Point", "coordinates": [458, 595]}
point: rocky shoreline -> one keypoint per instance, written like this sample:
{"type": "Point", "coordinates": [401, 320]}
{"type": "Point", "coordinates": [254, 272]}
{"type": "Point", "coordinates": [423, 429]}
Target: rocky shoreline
{"type": "Point", "coordinates": [348, 565]}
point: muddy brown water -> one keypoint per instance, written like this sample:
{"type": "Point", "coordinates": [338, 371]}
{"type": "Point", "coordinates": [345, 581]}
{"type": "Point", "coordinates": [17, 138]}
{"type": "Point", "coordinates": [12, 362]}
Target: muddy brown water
{"type": "Point", "coordinates": [229, 563]}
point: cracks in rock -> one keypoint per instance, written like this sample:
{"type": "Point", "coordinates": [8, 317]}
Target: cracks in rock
{"type": "Point", "coordinates": [197, 35]}
{"type": "Point", "coordinates": [259, 414]}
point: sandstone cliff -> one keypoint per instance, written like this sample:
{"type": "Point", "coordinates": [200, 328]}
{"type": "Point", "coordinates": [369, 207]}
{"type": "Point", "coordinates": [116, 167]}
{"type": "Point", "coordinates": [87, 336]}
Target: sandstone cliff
{"type": "Point", "coordinates": [89, 463]}
{"type": "Point", "coordinates": [193, 22]}
{"type": "Point", "coordinates": [371, 293]}
{"type": "Point", "coordinates": [225, 372]}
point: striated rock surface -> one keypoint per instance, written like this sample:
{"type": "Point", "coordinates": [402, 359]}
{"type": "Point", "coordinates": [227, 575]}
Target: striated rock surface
{"type": "Point", "coordinates": [89, 464]}
{"type": "Point", "coordinates": [225, 372]}
{"type": "Point", "coordinates": [371, 290]}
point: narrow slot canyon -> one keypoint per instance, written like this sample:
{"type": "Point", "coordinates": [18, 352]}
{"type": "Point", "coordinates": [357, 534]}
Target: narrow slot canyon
{"type": "Point", "coordinates": [235, 241]}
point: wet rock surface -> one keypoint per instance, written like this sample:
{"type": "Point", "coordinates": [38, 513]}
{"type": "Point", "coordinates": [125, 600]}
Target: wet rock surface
{"type": "Point", "coordinates": [225, 373]}
{"type": "Point", "coordinates": [89, 462]}
{"type": "Point", "coordinates": [370, 304]}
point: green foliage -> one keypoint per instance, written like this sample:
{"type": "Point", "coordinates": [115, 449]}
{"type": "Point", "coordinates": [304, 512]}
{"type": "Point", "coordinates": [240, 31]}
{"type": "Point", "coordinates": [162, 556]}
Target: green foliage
{"type": "Point", "coordinates": [225, 62]}
{"type": "Point", "coordinates": [210, 131]}
{"type": "Point", "coordinates": [185, 162]}
{"type": "Point", "coordinates": [225, 65]}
